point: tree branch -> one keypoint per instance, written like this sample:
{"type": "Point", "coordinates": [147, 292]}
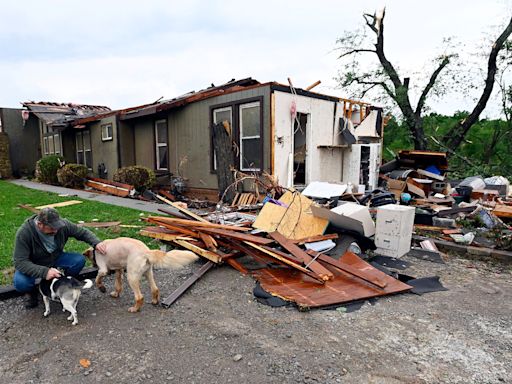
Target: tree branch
{"type": "Point", "coordinates": [456, 135]}
{"type": "Point", "coordinates": [430, 85]}
{"type": "Point", "coordinates": [351, 52]}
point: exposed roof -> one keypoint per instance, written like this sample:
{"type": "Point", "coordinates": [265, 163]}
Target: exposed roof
{"type": "Point", "coordinates": [190, 97]}
{"type": "Point", "coordinates": [61, 115]}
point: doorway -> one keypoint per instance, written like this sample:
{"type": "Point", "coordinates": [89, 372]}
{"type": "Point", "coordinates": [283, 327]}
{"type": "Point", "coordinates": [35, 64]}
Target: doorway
{"type": "Point", "coordinates": [299, 149]}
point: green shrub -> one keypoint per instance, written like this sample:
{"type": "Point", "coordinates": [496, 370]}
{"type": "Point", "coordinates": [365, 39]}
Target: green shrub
{"type": "Point", "coordinates": [140, 177]}
{"type": "Point", "coordinates": [72, 175]}
{"type": "Point", "coordinates": [47, 167]}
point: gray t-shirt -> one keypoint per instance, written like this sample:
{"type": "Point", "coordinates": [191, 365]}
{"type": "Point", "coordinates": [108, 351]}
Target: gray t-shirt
{"type": "Point", "coordinates": [47, 240]}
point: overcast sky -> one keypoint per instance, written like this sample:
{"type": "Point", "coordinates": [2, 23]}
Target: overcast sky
{"type": "Point", "coordinates": [126, 53]}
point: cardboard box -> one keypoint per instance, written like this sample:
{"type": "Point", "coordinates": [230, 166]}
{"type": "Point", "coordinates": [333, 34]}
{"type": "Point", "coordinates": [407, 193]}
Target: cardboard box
{"type": "Point", "coordinates": [396, 187]}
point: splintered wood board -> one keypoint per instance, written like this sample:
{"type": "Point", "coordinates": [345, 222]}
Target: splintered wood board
{"type": "Point", "coordinates": [295, 222]}
{"type": "Point", "coordinates": [501, 211]}
{"type": "Point", "coordinates": [62, 204]}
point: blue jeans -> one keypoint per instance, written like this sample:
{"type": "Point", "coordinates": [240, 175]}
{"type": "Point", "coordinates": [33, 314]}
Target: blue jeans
{"type": "Point", "coordinates": [72, 263]}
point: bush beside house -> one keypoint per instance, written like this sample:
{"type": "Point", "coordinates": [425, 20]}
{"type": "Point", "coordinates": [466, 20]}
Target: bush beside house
{"type": "Point", "coordinates": [72, 175]}
{"type": "Point", "coordinates": [47, 167]}
{"type": "Point", "coordinates": [141, 178]}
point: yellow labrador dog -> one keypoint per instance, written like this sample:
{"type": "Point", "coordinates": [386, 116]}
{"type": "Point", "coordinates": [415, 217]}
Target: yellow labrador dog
{"type": "Point", "coordinates": [134, 256]}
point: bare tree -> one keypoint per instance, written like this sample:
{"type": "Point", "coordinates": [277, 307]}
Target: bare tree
{"type": "Point", "coordinates": [386, 78]}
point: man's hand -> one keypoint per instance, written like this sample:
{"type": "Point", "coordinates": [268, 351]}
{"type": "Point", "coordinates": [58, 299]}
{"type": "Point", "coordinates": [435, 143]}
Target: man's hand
{"type": "Point", "coordinates": [101, 247]}
{"type": "Point", "coordinates": [52, 273]}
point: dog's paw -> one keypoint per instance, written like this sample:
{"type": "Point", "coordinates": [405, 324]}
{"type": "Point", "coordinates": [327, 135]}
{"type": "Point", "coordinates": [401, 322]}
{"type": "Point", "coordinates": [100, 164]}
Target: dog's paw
{"type": "Point", "coordinates": [70, 317]}
{"type": "Point", "coordinates": [155, 302]}
{"type": "Point", "coordinates": [46, 313]}
{"type": "Point", "coordinates": [74, 322]}
{"type": "Point", "coordinates": [102, 289]}
{"type": "Point", "coordinates": [114, 294]}
{"type": "Point", "coordinates": [133, 309]}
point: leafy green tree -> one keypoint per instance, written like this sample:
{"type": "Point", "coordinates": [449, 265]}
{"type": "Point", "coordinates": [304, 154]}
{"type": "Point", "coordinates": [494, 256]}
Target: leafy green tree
{"type": "Point", "coordinates": [385, 79]}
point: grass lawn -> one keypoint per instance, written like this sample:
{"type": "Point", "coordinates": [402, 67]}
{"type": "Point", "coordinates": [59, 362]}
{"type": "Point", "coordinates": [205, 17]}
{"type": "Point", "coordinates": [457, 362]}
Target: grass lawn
{"type": "Point", "coordinates": [12, 216]}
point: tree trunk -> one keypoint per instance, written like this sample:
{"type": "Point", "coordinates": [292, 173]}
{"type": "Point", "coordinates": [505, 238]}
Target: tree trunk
{"type": "Point", "coordinates": [225, 161]}
{"type": "Point", "coordinates": [455, 137]}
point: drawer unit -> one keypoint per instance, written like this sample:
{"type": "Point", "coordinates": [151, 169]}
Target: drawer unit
{"type": "Point", "coordinates": [393, 230]}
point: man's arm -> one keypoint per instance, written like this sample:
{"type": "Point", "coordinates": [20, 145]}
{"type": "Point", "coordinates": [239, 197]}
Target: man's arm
{"type": "Point", "coordinates": [82, 234]}
{"type": "Point", "coordinates": [22, 260]}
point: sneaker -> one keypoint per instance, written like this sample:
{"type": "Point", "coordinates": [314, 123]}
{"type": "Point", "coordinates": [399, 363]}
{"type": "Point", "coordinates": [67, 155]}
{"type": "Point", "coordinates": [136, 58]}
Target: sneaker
{"type": "Point", "coordinates": [32, 299]}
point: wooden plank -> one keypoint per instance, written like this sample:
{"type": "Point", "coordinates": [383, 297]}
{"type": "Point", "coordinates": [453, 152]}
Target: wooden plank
{"type": "Point", "coordinates": [238, 236]}
{"type": "Point", "coordinates": [181, 209]}
{"type": "Point", "coordinates": [294, 222]}
{"type": "Point", "coordinates": [235, 199]}
{"type": "Point", "coordinates": [28, 208]}
{"type": "Point", "coordinates": [316, 267]}
{"type": "Point", "coordinates": [172, 213]}
{"type": "Point", "coordinates": [349, 269]}
{"type": "Point", "coordinates": [111, 189]}
{"type": "Point", "coordinates": [194, 223]}
{"type": "Point", "coordinates": [167, 195]}
{"type": "Point", "coordinates": [162, 235]}
{"type": "Point", "coordinates": [208, 241]}
{"type": "Point", "coordinates": [312, 239]}
{"type": "Point", "coordinates": [61, 204]}
{"type": "Point", "coordinates": [503, 210]}
{"type": "Point", "coordinates": [113, 183]}
{"type": "Point", "coordinates": [98, 224]}
{"type": "Point", "coordinates": [168, 301]}
{"type": "Point", "coordinates": [201, 252]}
{"type": "Point", "coordinates": [176, 228]}
{"type": "Point", "coordinates": [284, 260]}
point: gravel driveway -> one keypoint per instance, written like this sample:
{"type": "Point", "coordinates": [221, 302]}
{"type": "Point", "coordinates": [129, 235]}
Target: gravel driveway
{"type": "Point", "coordinates": [218, 333]}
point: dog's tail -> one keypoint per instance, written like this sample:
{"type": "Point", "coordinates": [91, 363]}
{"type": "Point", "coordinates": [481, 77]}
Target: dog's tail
{"type": "Point", "coordinates": [174, 259]}
{"type": "Point", "coordinates": [88, 284]}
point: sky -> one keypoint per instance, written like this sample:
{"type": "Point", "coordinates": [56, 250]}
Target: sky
{"type": "Point", "coordinates": [126, 53]}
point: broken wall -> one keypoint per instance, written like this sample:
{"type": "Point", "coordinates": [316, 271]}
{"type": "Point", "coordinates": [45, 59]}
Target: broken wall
{"type": "Point", "coordinates": [24, 140]}
{"type": "Point", "coordinates": [322, 164]}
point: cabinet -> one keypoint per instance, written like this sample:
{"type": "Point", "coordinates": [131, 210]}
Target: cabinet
{"type": "Point", "coordinates": [361, 165]}
{"type": "Point", "coordinates": [393, 230]}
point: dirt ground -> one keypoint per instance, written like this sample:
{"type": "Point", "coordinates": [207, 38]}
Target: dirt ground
{"type": "Point", "coordinates": [218, 333]}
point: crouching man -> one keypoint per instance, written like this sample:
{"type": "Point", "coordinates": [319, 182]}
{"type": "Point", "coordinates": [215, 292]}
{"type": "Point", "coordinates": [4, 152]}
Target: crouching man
{"type": "Point", "coordinates": [39, 251]}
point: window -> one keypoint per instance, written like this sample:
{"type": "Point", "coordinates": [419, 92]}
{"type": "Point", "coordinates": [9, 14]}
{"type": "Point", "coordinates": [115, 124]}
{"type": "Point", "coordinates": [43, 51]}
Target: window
{"type": "Point", "coordinates": [83, 149]}
{"type": "Point", "coordinates": [245, 118]}
{"type": "Point", "coordinates": [52, 144]}
{"type": "Point", "coordinates": [45, 145]}
{"type": "Point", "coordinates": [106, 132]}
{"type": "Point", "coordinates": [250, 137]}
{"type": "Point", "coordinates": [56, 143]}
{"type": "Point", "coordinates": [161, 144]}
{"type": "Point", "coordinates": [219, 115]}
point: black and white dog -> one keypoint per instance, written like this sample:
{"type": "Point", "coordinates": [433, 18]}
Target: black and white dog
{"type": "Point", "coordinates": [65, 289]}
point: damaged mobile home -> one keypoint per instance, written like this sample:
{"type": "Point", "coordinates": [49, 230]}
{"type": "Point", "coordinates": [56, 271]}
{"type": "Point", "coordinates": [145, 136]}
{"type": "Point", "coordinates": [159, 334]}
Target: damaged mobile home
{"type": "Point", "coordinates": [297, 135]}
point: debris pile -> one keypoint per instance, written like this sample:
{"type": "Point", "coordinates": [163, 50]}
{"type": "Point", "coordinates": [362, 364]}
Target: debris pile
{"type": "Point", "coordinates": [283, 250]}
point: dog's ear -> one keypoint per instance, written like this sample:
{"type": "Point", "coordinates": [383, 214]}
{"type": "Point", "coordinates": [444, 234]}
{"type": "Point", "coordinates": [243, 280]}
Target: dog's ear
{"type": "Point", "coordinates": [89, 253]}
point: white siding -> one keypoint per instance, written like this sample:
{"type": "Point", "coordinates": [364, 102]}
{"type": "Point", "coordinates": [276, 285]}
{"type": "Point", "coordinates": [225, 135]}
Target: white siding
{"type": "Point", "coordinates": [322, 164]}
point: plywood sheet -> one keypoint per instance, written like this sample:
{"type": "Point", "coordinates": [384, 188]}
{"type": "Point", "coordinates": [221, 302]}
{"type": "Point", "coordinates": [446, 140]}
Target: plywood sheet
{"type": "Point", "coordinates": [343, 288]}
{"type": "Point", "coordinates": [294, 221]}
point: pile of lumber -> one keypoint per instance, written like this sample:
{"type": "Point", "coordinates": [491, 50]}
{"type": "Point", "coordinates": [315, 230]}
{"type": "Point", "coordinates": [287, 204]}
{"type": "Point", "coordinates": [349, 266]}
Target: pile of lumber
{"type": "Point", "coordinates": [287, 270]}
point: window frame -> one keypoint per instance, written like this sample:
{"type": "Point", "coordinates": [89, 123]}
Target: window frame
{"type": "Point", "coordinates": [214, 118]}
{"type": "Point", "coordinates": [107, 137]}
{"type": "Point", "coordinates": [241, 138]}
{"type": "Point", "coordinates": [160, 144]}
{"type": "Point", "coordinates": [79, 138]}
{"type": "Point", "coordinates": [235, 116]}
